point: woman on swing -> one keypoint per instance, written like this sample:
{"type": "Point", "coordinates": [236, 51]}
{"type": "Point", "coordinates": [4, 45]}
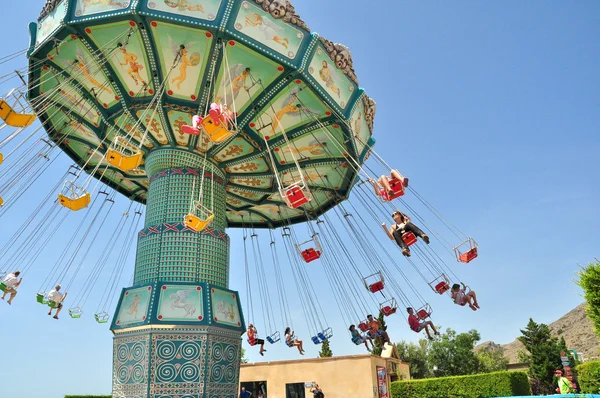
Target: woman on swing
{"type": "Point", "coordinates": [253, 340]}
{"type": "Point", "coordinates": [291, 341]}
{"type": "Point", "coordinates": [402, 225]}
{"type": "Point", "coordinates": [383, 186]}
{"type": "Point", "coordinates": [462, 298]}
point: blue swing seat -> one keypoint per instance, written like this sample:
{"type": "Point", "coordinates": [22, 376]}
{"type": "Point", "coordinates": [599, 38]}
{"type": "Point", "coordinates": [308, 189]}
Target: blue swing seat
{"type": "Point", "coordinates": [315, 339]}
{"type": "Point", "coordinates": [274, 338]}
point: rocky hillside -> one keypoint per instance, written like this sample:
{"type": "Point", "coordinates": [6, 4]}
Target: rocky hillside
{"type": "Point", "coordinates": [575, 327]}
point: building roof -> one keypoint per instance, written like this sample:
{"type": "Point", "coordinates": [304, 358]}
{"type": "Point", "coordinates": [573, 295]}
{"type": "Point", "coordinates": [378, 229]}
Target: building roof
{"type": "Point", "coordinates": [306, 360]}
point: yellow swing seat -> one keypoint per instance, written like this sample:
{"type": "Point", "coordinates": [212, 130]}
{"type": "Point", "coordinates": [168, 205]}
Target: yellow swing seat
{"type": "Point", "coordinates": [217, 131]}
{"type": "Point", "coordinates": [75, 204]}
{"type": "Point", "coordinates": [1, 158]}
{"type": "Point", "coordinates": [196, 223]}
{"type": "Point", "coordinates": [1, 201]}
{"type": "Point", "coordinates": [14, 119]}
{"type": "Point", "coordinates": [124, 162]}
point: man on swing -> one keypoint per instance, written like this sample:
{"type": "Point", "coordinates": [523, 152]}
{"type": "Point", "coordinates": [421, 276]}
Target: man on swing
{"type": "Point", "coordinates": [401, 226]}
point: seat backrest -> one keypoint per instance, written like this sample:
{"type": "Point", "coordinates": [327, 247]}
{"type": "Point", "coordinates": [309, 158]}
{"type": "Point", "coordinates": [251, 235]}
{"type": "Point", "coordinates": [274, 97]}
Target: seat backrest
{"type": "Point", "coordinates": [321, 336]}
{"type": "Point", "coordinates": [363, 327]}
{"type": "Point", "coordinates": [387, 310]}
{"type": "Point", "coordinates": [375, 287]}
{"type": "Point", "coordinates": [442, 287]}
{"type": "Point", "coordinates": [315, 340]}
{"type": "Point", "coordinates": [469, 255]}
{"type": "Point", "coordinates": [422, 314]}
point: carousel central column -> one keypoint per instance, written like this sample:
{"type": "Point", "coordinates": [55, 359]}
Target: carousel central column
{"type": "Point", "coordinates": [177, 329]}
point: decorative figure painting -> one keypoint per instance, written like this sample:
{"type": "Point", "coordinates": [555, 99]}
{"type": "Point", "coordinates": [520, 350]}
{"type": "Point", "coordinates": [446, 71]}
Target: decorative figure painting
{"type": "Point", "coordinates": [291, 106]}
{"type": "Point", "coordinates": [134, 306]}
{"type": "Point", "coordinates": [326, 76]}
{"type": "Point", "coordinates": [89, 7]}
{"type": "Point", "coordinates": [262, 27]}
{"type": "Point", "coordinates": [201, 9]}
{"type": "Point", "coordinates": [225, 307]}
{"type": "Point", "coordinates": [185, 60]}
{"type": "Point", "coordinates": [331, 78]}
{"type": "Point", "coordinates": [130, 61]}
{"type": "Point", "coordinates": [180, 303]}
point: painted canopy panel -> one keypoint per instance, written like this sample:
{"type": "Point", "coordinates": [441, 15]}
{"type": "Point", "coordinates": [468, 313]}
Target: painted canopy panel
{"type": "Point", "coordinates": [142, 75]}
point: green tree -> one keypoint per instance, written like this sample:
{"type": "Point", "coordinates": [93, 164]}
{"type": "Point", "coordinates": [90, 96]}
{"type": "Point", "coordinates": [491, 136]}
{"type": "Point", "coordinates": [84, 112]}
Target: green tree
{"type": "Point", "coordinates": [491, 359]}
{"type": "Point", "coordinates": [453, 354]}
{"type": "Point", "coordinates": [244, 358]}
{"type": "Point", "coordinates": [416, 355]}
{"type": "Point", "coordinates": [325, 350]}
{"type": "Point", "coordinates": [379, 347]}
{"type": "Point", "coordinates": [544, 356]}
{"type": "Point", "coordinates": [589, 281]}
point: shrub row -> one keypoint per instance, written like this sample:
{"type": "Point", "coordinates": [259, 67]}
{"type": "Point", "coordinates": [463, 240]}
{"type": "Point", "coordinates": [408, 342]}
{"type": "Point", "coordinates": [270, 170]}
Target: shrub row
{"type": "Point", "coordinates": [588, 376]}
{"type": "Point", "coordinates": [497, 384]}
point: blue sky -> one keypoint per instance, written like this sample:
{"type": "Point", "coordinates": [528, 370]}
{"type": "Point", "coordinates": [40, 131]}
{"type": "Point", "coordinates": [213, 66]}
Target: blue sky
{"type": "Point", "coordinates": [491, 109]}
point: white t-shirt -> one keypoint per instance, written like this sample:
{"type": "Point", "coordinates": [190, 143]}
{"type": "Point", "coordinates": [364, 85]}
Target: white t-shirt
{"type": "Point", "coordinates": [10, 280]}
{"type": "Point", "coordinates": [55, 296]}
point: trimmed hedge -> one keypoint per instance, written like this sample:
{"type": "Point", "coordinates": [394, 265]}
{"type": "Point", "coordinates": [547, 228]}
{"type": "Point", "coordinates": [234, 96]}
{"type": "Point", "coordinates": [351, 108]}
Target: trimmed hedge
{"type": "Point", "coordinates": [497, 384]}
{"type": "Point", "coordinates": [588, 376]}
{"type": "Point", "coordinates": [88, 396]}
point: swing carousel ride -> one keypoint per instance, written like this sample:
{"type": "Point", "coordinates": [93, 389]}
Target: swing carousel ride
{"type": "Point", "coordinates": [206, 115]}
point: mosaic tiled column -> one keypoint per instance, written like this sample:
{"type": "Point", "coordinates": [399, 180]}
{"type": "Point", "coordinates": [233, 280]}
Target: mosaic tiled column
{"type": "Point", "coordinates": [177, 330]}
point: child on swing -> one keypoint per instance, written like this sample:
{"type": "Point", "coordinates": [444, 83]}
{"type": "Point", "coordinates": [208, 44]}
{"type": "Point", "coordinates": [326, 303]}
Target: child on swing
{"type": "Point", "coordinates": [460, 297]}
{"type": "Point", "coordinates": [387, 192]}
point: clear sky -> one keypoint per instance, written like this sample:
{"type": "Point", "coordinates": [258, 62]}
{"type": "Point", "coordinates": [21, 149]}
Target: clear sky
{"type": "Point", "coordinates": [491, 108]}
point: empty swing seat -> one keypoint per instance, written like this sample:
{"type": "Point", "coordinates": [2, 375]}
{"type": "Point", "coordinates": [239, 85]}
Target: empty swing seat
{"type": "Point", "coordinates": [388, 310]}
{"type": "Point", "coordinates": [310, 254]}
{"type": "Point", "coordinates": [124, 162]}
{"type": "Point", "coordinates": [13, 118]}
{"type": "Point", "coordinates": [216, 129]}
{"type": "Point", "coordinates": [75, 312]}
{"type": "Point", "coordinates": [363, 326]}
{"type": "Point", "coordinates": [196, 223]}
{"type": "Point", "coordinates": [327, 333]}
{"type": "Point", "coordinates": [40, 298]}
{"type": "Point", "coordinates": [375, 287]}
{"type": "Point", "coordinates": [295, 197]}
{"type": "Point", "coordinates": [101, 317]}
{"type": "Point", "coordinates": [468, 256]}
{"type": "Point", "coordinates": [274, 338]}
{"type": "Point", "coordinates": [1, 158]}
{"type": "Point", "coordinates": [315, 339]}
{"type": "Point", "coordinates": [442, 287]}
{"type": "Point", "coordinates": [397, 189]}
{"type": "Point", "coordinates": [409, 238]}
{"type": "Point", "coordinates": [75, 203]}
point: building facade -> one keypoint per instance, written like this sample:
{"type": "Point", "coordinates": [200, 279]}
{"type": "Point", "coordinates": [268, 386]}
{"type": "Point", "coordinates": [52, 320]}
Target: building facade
{"type": "Point", "coordinates": [357, 376]}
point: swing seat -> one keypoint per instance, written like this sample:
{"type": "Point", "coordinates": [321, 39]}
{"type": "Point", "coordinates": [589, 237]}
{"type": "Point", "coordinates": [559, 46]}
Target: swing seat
{"type": "Point", "coordinates": [315, 339]}
{"type": "Point", "coordinates": [101, 317]}
{"type": "Point", "coordinates": [375, 287]}
{"type": "Point", "coordinates": [3, 287]}
{"type": "Point", "coordinates": [124, 162]}
{"type": "Point", "coordinates": [216, 129]}
{"type": "Point", "coordinates": [424, 312]}
{"type": "Point", "coordinates": [76, 203]}
{"type": "Point", "coordinates": [1, 201]}
{"type": "Point", "coordinates": [40, 297]}
{"type": "Point", "coordinates": [442, 287]}
{"type": "Point", "coordinates": [409, 238]}
{"type": "Point", "coordinates": [75, 312]}
{"type": "Point", "coordinates": [321, 336]}
{"type": "Point", "coordinates": [191, 130]}
{"type": "Point", "coordinates": [357, 340]}
{"type": "Point", "coordinates": [397, 189]}
{"type": "Point", "coordinates": [326, 334]}
{"type": "Point", "coordinates": [295, 197]}
{"type": "Point", "coordinates": [52, 304]}
{"type": "Point", "coordinates": [274, 338]}
{"type": "Point", "coordinates": [290, 343]}
{"type": "Point", "coordinates": [252, 342]}
{"type": "Point", "coordinates": [310, 254]}
{"type": "Point", "coordinates": [1, 158]}
{"type": "Point", "coordinates": [363, 326]}
{"type": "Point", "coordinates": [14, 119]}
{"type": "Point", "coordinates": [468, 256]}
{"type": "Point", "coordinates": [388, 310]}
{"type": "Point", "coordinates": [196, 223]}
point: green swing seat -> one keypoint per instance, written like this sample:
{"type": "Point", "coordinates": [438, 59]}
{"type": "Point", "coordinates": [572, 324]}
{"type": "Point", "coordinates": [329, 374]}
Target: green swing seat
{"type": "Point", "coordinates": [75, 312]}
{"type": "Point", "coordinates": [52, 304]}
{"type": "Point", "coordinates": [101, 317]}
{"type": "Point", "coordinates": [3, 287]}
{"type": "Point", "coordinates": [41, 298]}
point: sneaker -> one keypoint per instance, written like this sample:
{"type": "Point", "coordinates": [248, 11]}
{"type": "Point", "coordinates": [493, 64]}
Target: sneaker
{"type": "Point", "coordinates": [425, 239]}
{"type": "Point", "coordinates": [405, 182]}
{"type": "Point", "coordinates": [430, 338]}
{"type": "Point", "coordinates": [406, 252]}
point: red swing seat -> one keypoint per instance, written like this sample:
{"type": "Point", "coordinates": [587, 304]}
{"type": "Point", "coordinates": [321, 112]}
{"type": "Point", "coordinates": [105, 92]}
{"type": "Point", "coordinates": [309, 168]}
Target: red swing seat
{"type": "Point", "coordinates": [295, 196]}
{"type": "Point", "coordinates": [310, 254]}
{"type": "Point", "coordinates": [375, 287]}
{"type": "Point", "coordinates": [191, 130]}
{"type": "Point", "coordinates": [442, 287]}
{"type": "Point", "coordinates": [424, 312]}
{"type": "Point", "coordinates": [363, 326]}
{"type": "Point", "coordinates": [397, 189]}
{"type": "Point", "coordinates": [468, 256]}
{"type": "Point", "coordinates": [409, 238]}
{"type": "Point", "coordinates": [388, 310]}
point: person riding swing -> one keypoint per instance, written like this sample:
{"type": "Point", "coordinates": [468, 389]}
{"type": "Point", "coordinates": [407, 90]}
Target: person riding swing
{"type": "Point", "coordinates": [403, 225]}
